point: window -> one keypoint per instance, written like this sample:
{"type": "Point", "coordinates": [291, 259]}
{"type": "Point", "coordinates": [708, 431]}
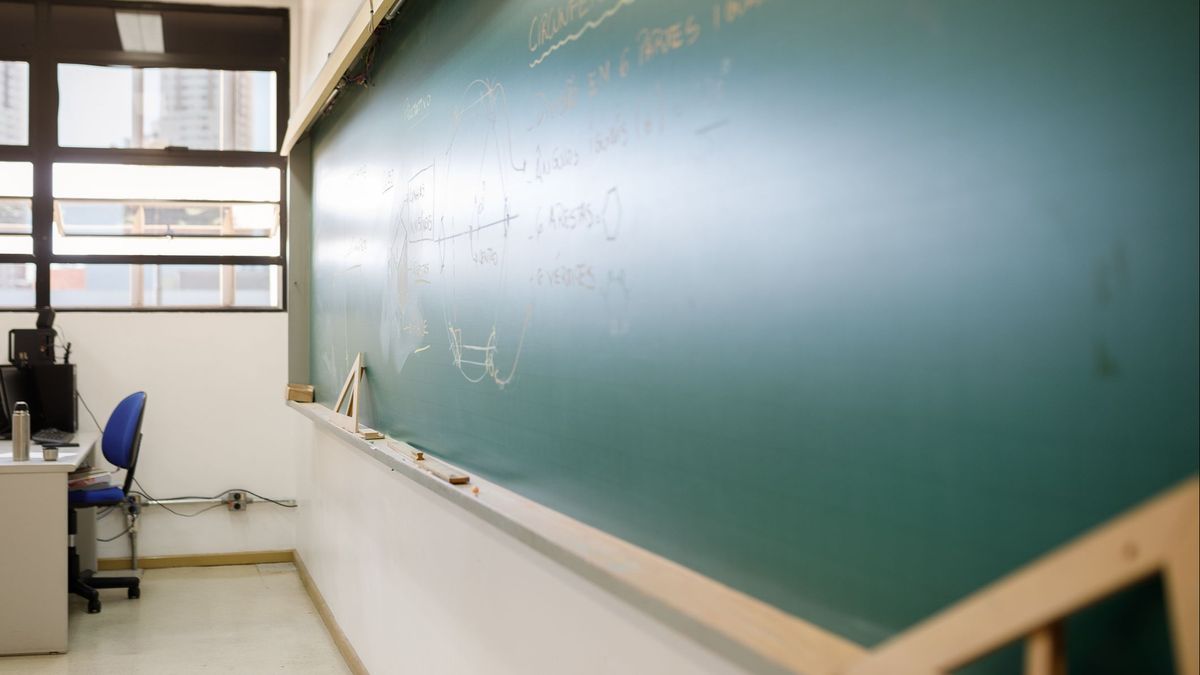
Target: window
{"type": "Point", "coordinates": [16, 207]}
{"type": "Point", "coordinates": [192, 108]}
{"type": "Point", "coordinates": [14, 103]}
{"type": "Point", "coordinates": [139, 164]}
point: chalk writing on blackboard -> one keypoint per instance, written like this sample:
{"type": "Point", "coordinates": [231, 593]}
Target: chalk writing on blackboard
{"type": "Point", "coordinates": [546, 26]}
{"type": "Point", "coordinates": [729, 11]}
{"type": "Point", "coordinates": [659, 41]}
{"type": "Point", "coordinates": [584, 215]}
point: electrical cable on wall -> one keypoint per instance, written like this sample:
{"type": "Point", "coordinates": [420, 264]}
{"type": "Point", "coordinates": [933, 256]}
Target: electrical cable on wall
{"type": "Point", "coordinates": [89, 411]}
{"type": "Point", "coordinates": [141, 491]}
{"type": "Point", "coordinates": [116, 537]}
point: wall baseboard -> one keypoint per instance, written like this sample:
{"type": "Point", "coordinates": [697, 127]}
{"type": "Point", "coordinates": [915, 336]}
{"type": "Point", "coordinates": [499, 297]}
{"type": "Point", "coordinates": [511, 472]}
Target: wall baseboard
{"type": "Point", "coordinates": [198, 560]}
{"type": "Point", "coordinates": [350, 656]}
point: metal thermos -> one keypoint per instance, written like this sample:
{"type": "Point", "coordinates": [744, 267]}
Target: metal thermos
{"type": "Point", "coordinates": [20, 432]}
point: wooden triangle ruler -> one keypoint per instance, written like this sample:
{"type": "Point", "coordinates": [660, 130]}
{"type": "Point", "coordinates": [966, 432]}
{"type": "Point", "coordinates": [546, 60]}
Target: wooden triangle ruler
{"type": "Point", "coordinates": [350, 396]}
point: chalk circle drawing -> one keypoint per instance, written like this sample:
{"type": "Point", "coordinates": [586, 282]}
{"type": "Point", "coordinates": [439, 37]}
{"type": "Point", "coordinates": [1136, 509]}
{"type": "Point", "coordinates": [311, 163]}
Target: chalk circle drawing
{"type": "Point", "coordinates": [473, 227]}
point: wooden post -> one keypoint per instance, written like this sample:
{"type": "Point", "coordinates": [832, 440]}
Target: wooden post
{"type": "Point", "coordinates": [349, 395]}
{"type": "Point", "coordinates": [351, 381]}
{"type": "Point", "coordinates": [1181, 583]}
{"type": "Point", "coordinates": [1159, 536]}
{"type": "Point", "coordinates": [1045, 651]}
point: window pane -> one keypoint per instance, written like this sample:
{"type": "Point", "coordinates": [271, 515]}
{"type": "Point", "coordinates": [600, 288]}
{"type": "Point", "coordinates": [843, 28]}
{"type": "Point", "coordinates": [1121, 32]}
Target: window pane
{"type": "Point", "coordinates": [112, 227]}
{"type": "Point", "coordinates": [90, 285]}
{"type": "Point", "coordinates": [16, 179]}
{"type": "Point", "coordinates": [16, 284]}
{"type": "Point", "coordinates": [257, 285]}
{"type": "Point", "coordinates": [121, 181]}
{"type": "Point", "coordinates": [14, 103]}
{"type": "Point", "coordinates": [176, 219]}
{"type": "Point", "coordinates": [16, 216]}
{"type": "Point", "coordinates": [16, 213]}
{"type": "Point", "coordinates": [18, 244]}
{"type": "Point", "coordinates": [181, 285]}
{"type": "Point", "coordinates": [124, 107]}
{"type": "Point", "coordinates": [165, 286]}
{"type": "Point", "coordinates": [166, 246]}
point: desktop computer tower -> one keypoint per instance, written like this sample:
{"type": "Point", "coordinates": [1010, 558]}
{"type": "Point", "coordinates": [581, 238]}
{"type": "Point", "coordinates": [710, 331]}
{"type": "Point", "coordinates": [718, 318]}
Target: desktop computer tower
{"type": "Point", "coordinates": [55, 405]}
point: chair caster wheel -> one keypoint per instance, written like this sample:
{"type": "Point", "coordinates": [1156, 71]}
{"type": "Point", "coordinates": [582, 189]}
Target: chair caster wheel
{"type": "Point", "coordinates": [134, 593]}
{"type": "Point", "coordinates": [93, 606]}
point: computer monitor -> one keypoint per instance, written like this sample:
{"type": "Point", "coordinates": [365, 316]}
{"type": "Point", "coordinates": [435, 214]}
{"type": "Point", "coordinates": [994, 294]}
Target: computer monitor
{"type": "Point", "coordinates": [48, 389]}
{"type": "Point", "coordinates": [14, 386]}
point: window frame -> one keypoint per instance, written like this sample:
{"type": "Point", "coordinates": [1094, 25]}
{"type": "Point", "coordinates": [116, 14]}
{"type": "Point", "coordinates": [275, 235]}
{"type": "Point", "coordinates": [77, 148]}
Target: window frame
{"type": "Point", "coordinates": [44, 151]}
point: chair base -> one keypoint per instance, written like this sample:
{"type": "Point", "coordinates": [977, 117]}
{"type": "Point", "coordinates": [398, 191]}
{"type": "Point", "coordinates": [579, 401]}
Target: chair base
{"type": "Point", "coordinates": [85, 583]}
{"type": "Point", "coordinates": [86, 586]}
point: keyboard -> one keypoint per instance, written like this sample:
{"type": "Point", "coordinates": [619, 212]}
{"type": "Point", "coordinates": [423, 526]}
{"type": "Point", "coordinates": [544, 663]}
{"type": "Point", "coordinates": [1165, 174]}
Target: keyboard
{"type": "Point", "coordinates": [52, 437]}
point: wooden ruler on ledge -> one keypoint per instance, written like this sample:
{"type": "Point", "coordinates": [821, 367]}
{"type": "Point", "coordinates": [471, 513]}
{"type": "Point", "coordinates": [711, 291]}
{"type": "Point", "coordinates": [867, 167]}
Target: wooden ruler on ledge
{"type": "Point", "coordinates": [437, 468]}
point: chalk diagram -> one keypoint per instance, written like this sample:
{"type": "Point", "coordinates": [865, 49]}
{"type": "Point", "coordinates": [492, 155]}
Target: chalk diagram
{"type": "Point", "coordinates": [403, 326]}
{"type": "Point", "coordinates": [471, 232]}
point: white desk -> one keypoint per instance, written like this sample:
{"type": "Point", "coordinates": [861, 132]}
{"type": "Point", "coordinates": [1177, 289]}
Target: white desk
{"type": "Point", "coordinates": [33, 547]}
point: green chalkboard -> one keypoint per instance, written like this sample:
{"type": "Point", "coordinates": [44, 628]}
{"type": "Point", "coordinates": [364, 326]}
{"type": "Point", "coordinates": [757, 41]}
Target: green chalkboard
{"type": "Point", "coordinates": [853, 306]}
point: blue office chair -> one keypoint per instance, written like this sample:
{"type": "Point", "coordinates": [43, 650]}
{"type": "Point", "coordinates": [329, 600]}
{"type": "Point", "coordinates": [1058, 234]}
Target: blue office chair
{"type": "Point", "coordinates": [121, 440]}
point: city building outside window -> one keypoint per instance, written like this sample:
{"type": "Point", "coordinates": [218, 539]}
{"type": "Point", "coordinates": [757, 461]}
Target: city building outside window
{"type": "Point", "coordinates": [139, 164]}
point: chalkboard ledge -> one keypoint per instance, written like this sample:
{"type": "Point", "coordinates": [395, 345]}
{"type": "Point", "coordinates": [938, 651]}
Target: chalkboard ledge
{"type": "Point", "coordinates": [747, 631]}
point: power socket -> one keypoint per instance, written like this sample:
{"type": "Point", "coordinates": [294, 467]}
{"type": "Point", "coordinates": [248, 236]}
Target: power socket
{"type": "Point", "coordinates": [235, 501]}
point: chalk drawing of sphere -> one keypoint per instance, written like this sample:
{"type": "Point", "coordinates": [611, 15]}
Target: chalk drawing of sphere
{"type": "Point", "coordinates": [474, 227]}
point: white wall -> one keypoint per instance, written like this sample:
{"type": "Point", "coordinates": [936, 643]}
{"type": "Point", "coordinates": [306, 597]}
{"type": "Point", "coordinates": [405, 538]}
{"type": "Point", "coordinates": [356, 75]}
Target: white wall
{"type": "Point", "coordinates": [321, 23]}
{"type": "Point", "coordinates": [422, 586]}
{"type": "Point", "coordinates": [215, 418]}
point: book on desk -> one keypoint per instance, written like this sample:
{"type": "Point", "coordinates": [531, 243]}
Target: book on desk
{"type": "Point", "coordinates": [89, 479]}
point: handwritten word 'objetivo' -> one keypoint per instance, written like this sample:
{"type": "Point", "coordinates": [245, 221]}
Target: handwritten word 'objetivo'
{"type": "Point", "coordinates": [418, 108]}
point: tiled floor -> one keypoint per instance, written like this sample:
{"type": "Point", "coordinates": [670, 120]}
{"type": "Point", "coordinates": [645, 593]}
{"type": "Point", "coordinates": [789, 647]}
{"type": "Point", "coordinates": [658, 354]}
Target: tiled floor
{"type": "Point", "coordinates": [236, 619]}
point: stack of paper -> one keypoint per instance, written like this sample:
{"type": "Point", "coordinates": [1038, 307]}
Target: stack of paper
{"type": "Point", "coordinates": [89, 479]}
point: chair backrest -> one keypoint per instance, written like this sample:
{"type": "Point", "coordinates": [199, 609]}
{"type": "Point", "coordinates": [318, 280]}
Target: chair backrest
{"type": "Point", "coordinates": [123, 434]}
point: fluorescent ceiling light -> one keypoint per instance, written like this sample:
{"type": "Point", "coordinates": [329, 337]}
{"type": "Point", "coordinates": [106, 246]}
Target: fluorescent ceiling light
{"type": "Point", "coordinates": [140, 31]}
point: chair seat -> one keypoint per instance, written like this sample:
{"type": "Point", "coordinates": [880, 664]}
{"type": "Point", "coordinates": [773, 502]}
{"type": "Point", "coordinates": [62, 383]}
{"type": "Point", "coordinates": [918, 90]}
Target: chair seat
{"type": "Point", "coordinates": [101, 497]}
